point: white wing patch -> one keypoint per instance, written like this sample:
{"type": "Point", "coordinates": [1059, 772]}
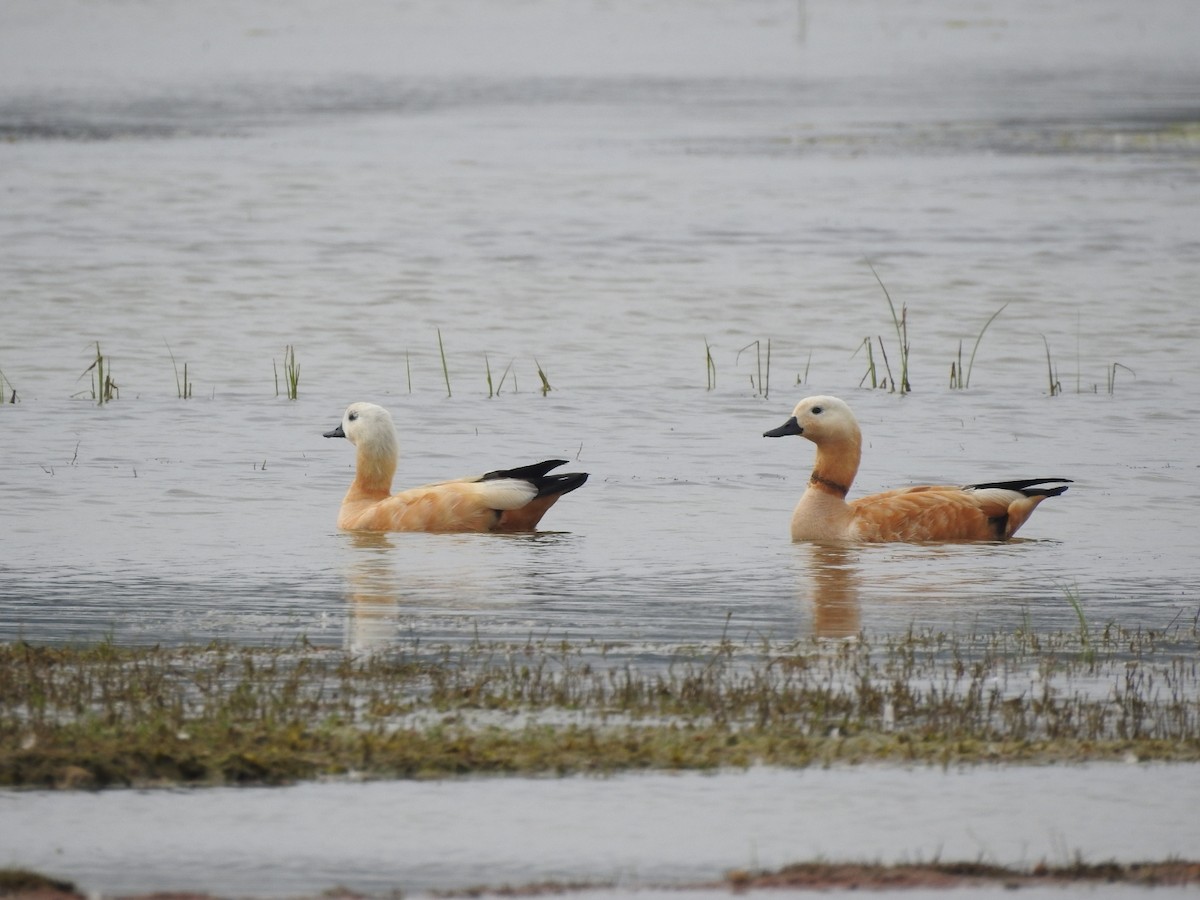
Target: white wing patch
{"type": "Point", "coordinates": [504, 493]}
{"type": "Point", "coordinates": [999, 496]}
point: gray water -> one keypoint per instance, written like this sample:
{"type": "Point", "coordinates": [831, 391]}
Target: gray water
{"type": "Point", "coordinates": [630, 831]}
{"type": "Point", "coordinates": [598, 189]}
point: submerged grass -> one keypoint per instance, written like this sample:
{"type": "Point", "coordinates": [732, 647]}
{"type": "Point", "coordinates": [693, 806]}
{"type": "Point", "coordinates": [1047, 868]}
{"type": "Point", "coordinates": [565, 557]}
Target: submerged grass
{"type": "Point", "coordinates": [106, 715]}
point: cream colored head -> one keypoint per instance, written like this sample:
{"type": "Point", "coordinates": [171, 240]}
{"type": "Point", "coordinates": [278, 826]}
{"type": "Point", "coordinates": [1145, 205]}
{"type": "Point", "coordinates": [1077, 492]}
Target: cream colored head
{"type": "Point", "coordinates": [368, 426]}
{"type": "Point", "coordinates": [821, 419]}
{"type": "Point", "coordinates": [370, 429]}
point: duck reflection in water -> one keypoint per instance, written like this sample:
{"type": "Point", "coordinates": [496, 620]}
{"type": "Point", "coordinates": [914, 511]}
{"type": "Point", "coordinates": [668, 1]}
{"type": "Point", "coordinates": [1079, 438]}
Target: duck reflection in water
{"type": "Point", "coordinates": [373, 614]}
{"type": "Point", "coordinates": [829, 579]}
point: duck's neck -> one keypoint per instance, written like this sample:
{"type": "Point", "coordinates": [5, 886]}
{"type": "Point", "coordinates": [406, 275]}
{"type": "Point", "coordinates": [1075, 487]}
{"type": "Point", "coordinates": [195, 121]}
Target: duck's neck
{"type": "Point", "coordinates": [374, 468]}
{"type": "Point", "coordinates": [836, 465]}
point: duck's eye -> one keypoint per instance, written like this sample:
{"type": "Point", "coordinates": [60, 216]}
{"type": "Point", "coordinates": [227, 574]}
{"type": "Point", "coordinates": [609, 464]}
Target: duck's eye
{"type": "Point", "coordinates": [817, 410]}
{"type": "Point", "coordinates": [352, 416]}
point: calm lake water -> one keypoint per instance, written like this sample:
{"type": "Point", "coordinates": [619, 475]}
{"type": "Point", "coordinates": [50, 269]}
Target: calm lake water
{"type": "Point", "coordinates": [601, 190]}
{"type": "Point", "coordinates": [629, 831]}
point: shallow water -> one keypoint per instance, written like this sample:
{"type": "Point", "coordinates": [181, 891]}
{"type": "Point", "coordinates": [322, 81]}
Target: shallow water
{"type": "Point", "coordinates": [598, 189]}
{"type": "Point", "coordinates": [631, 830]}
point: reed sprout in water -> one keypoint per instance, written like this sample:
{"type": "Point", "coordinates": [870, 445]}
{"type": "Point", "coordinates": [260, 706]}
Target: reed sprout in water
{"type": "Point", "coordinates": [503, 376]}
{"type": "Point", "coordinates": [710, 367]}
{"type": "Point", "coordinates": [11, 391]}
{"type": "Point", "coordinates": [104, 389]}
{"type": "Point", "coordinates": [763, 385]}
{"type": "Point", "coordinates": [445, 368]}
{"type": "Point", "coordinates": [291, 373]}
{"type": "Point", "coordinates": [803, 379]}
{"type": "Point", "coordinates": [183, 387]}
{"type": "Point", "coordinates": [870, 373]}
{"type": "Point", "coordinates": [1052, 371]}
{"type": "Point", "coordinates": [542, 376]}
{"type": "Point", "coordinates": [901, 324]}
{"type": "Point", "coordinates": [1112, 375]}
{"type": "Point", "coordinates": [956, 378]}
{"type": "Point", "coordinates": [890, 379]}
{"type": "Point", "coordinates": [767, 384]}
{"type": "Point", "coordinates": [1076, 601]}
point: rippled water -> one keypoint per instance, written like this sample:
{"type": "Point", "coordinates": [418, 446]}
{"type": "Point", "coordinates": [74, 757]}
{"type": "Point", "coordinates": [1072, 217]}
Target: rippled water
{"type": "Point", "coordinates": [599, 190]}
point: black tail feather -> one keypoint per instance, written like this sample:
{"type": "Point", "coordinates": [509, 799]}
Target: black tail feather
{"type": "Point", "coordinates": [560, 484]}
{"type": "Point", "coordinates": [1029, 486]}
{"type": "Point", "coordinates": [536, 475]}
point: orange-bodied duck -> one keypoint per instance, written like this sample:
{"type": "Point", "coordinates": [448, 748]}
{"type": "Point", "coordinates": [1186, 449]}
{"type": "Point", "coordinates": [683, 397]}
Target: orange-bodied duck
{"type": "Point", "coordinates": [976, 512]}
{"type": "Point", "coordinates": [504, 500]}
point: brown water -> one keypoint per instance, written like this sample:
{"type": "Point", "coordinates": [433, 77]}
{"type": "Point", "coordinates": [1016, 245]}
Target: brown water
{"type": "Point", "coordinates": [598, 189]}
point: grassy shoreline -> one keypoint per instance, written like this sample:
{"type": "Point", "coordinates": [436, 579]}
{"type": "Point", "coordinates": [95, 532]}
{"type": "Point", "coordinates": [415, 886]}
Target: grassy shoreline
{"type": "Point", "coordinates": [103, 715]}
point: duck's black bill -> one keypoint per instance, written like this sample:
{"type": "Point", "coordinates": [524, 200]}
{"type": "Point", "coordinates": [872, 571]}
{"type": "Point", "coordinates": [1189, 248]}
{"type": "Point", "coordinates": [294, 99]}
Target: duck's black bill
{"type": "Point", "coordinates": [791, 426]}
{"type": "Point", "coordinates": [337, 432]}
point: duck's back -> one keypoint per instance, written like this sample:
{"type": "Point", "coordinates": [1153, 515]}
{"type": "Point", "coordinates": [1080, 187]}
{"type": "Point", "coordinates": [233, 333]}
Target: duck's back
{"type": "Point", "coordinates": [926, 513]}
{"type": "Point", "coordinates": [991, 512]}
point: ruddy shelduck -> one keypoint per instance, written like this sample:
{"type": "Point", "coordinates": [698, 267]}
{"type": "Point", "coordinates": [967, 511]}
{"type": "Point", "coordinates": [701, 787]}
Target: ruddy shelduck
{"type": "Point", "coordinates": [992, 511]}
{"type": "Point", "coordinates": [504, 500]}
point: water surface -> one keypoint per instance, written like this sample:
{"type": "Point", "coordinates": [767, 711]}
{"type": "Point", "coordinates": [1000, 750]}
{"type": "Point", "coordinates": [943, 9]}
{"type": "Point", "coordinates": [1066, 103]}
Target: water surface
{"type": "Point", "coordinates": [628, 831]}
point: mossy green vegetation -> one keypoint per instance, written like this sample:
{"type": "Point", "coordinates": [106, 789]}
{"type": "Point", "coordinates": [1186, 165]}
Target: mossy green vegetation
{"type": "Point", "coordinates": [103, 715]}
